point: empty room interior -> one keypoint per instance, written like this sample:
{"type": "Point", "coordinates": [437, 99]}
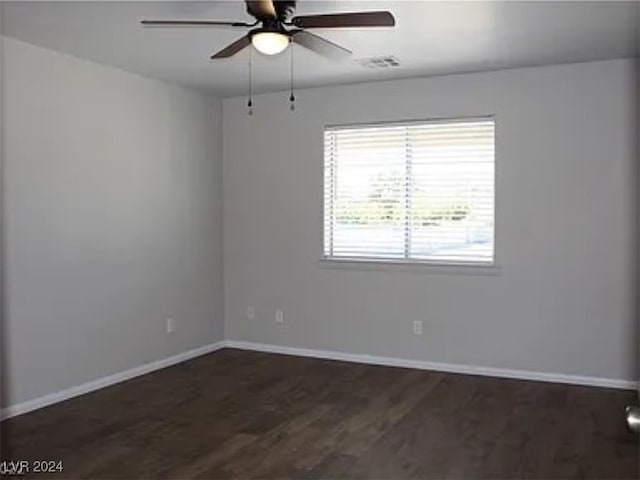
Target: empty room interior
{"type": "Point", "coordinates": [320, 239]}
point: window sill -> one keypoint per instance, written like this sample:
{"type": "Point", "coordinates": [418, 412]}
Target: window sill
{"type": "Point", "coordinates": [389, 265]}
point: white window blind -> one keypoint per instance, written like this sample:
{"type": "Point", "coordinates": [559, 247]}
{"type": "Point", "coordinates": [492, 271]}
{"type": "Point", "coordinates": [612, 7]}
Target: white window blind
{"type": "Point", "coordinates": [415, 191]}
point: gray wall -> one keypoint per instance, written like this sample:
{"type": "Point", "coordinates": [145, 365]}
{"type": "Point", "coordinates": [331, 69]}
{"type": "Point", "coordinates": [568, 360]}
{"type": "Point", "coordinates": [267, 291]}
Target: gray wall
{"type": "Point", "coordinates": [638, 197]}
{"type": "Point", "coordinates": [3, 363]}
{"type": "Point", "coordinates": [564, 299]}
{"type": "Point", "coordinates": [112, 220]}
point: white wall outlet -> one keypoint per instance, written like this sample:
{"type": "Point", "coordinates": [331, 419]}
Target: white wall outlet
{"type": "Point", "coordinates": [279, 316]}
{"type": "Point", "coordinates": [171, 325]}
{"type": "Point", "coordinates": [417, 327]}
{"type": "Point", "coordinates": [251, 313]}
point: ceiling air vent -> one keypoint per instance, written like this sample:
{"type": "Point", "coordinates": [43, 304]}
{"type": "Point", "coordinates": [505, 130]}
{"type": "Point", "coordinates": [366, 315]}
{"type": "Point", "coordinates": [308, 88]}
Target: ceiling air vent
{"type": "Point", "coordinates": [388, 61]}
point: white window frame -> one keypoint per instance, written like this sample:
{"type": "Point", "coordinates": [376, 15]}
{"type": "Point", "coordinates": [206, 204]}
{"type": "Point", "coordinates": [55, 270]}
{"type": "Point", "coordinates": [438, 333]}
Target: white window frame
{"type": "Point", "coordinates": [411, 264]}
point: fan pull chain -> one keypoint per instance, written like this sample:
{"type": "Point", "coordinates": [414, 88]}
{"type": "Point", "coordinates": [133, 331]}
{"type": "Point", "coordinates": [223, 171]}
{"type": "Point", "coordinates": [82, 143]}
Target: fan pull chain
{"type": "Point", "coordinates": [292, 98]}
{"type": "Point", "coordinates": [250, 102]}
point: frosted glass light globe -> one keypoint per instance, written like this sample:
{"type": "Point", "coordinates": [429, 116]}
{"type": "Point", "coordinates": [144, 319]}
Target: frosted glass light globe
{"type": "Point", "coordinates": [270, 43]}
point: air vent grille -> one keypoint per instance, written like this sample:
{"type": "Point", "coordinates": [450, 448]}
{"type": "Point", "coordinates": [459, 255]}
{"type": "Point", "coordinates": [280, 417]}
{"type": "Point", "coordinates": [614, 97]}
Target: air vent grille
{"type": "Point", "coordinates": [388, 61]}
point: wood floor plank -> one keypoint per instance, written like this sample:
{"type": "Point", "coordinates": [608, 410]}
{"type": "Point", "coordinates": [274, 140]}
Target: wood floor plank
{"type": "Point", "coordinates": [238, 414]}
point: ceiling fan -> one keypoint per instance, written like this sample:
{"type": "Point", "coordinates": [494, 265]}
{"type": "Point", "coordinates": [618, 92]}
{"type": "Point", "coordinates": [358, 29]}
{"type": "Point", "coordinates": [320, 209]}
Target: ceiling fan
{"type": "Point", "coordinates": [275, 30]}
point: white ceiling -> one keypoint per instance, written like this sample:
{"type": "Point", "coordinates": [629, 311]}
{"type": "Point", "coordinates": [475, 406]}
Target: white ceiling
{"type": "Point", "coordinates": [430, 38]}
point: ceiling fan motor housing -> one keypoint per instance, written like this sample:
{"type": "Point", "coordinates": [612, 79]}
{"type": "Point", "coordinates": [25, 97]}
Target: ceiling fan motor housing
{"type": "Point", "coordinates": [269, 26]}
{"type": "Point", "coordinates": [284, 9]}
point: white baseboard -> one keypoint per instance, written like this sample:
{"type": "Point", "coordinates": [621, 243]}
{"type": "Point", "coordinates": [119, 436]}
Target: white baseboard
{"type": "Point", "coordinates": [437, 366]}
{"type": "Point", "coordinates": [50, 399]}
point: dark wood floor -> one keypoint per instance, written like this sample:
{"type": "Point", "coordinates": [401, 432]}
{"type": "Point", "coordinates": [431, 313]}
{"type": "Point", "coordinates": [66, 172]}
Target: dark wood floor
{"type": "Point", "coordinates": [236, 414]}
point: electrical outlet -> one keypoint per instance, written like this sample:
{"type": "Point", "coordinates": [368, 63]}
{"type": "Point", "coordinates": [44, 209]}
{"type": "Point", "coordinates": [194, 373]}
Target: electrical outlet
{"type": "Point", "coordinates": [171, 325]}
{"type": "Point", "coordinates": [417, 327]}
{"type": "Point", "coordinates": [279, 316]}
{"type": "Point", "coordinates": [251, 313]}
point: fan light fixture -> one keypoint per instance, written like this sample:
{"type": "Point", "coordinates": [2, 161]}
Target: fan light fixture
{"type": "Point", "coordinates": [270, 43]}
{"type": "Point", "coordinates": [271, 33]}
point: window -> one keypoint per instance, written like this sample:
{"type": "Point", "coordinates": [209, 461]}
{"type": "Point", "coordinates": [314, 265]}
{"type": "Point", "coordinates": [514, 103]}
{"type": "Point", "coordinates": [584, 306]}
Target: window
{"type": "Point", "coordinates": [415, 191]}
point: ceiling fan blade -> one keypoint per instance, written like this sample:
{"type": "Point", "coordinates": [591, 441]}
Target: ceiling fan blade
{"type": "Point", "coordinates": [261, 9]}
{"type": "Point", "coordinates": [320, 45]}
{"type": "Point", "coordinates": [193, 23]}
{"type": "Point", "coordinates": [345, 20]}
{"type": "Point", "coordinates": [233, 48]}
